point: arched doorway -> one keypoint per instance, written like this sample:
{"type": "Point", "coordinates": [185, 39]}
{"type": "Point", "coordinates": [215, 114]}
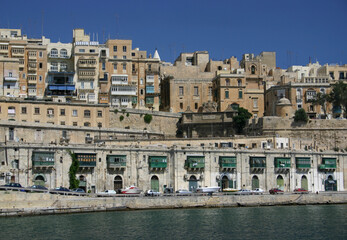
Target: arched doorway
{"type": "Point", "coordinates": [117, 183]}
{"type": "Point", "coordinates": [193, 183]}
{"type": "Point", "coordinates": [225, 182]}
{"type": "Point", "coordinates": [330, 184]}
{"type": "Point", "coordinates": [155, 183]}
{"type": "Point", "coordinates": [83, 183]}
{"type": "Point", "coordinates": [280, 182]}
{"type": "Point", "coordinates": [39, 180]}
{"type": "Point", "coordinates": [304, 183]}
{"type": "Point", "coordinates": [255, 182]}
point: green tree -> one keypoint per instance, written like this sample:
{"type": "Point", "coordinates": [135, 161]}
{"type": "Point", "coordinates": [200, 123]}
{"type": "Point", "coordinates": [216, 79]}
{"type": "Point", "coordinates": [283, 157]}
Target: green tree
{"type": "Point", "coordinates": [74, 182]}
{"type": "Point", "coordinates": [321, 99]}
{"type": "Point", "coordinates": [300, 116]}
{"type": "Point", "coordinates": [147, 118]}
{"type": "Point", "coordinates": [121, 118]}
{"type": "Point", "coordinates": [241, 119]}
{"type": "Point", "coordinates": [339, 95]}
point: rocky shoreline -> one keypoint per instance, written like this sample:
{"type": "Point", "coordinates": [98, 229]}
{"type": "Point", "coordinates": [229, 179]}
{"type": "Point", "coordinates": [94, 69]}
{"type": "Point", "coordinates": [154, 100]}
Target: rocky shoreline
{"type": "Point", "coordinates": [23, 204]}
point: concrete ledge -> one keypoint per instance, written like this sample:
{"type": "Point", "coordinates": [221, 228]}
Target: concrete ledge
{"type": "Point", "coordinates": [22, 204]}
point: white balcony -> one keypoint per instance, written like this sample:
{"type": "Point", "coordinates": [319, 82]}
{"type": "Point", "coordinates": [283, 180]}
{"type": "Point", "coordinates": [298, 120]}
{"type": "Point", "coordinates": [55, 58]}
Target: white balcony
{"type": "Point", "coordinates": [124, 90]}
{"type": "Point", "coordinates": [119, 79]}
{"type": "Point", "coordinates": [150, 79]}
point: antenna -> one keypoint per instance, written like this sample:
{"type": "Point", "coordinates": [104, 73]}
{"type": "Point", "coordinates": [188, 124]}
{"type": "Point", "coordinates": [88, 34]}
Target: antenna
{"type": "Point", "coordinates": [42, 23]}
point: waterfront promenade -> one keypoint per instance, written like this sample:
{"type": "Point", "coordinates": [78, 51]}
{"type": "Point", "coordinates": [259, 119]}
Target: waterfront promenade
{"type": "Point", "coordinates": [21, 204]}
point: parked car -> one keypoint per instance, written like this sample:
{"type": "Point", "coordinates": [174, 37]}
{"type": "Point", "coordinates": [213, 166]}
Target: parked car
{"type": "Point", "coordinates": [39, 187]}
{"type": "Point", "coordinates": [152, 193]}
{"type": "Point", "coordinates": [14, 185]}
{"type": "Point", "coordinates": [63, 189]}
{"type": "Point", "coordinates": [183, 192]}
{"type": "Point", "coordinates": [168, 190]}
{"type": "Point", "coordinates": [79, 190]}
{"type": "Point", "coordinates": [275, 191]}
{"type": "Point", "coordinates": [107, 193]}
{"type": "Point", "coordinates": [300, 190]}
{"type": "Point", "coordinates": [244, 192]}
{"type": "Point", "coordinates": [258, 191]}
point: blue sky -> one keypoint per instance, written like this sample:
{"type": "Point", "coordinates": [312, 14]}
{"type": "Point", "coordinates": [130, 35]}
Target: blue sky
{"type": "Point", "coordinates": [295, 30]}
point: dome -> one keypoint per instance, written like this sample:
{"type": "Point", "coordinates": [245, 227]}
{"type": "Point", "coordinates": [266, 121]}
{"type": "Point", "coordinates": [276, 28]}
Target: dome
{"type": "Point", "coordinates": [283, 101]}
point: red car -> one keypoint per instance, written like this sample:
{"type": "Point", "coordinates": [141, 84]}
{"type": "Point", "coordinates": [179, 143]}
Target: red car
{"type": "Point", "coordinates": [275, 191]}
{"type": "Point", "coordinates": [300, 190]}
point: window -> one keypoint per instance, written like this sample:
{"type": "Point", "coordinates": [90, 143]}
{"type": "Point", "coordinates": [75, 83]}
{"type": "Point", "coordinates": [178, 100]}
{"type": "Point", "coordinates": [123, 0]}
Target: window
{"type": "Point", "coordinates": [342, 75]}
{"type": "Point", "coordinates": [149, 67]}
{"type": "Point", "coordinates": [82, 85]}
{"type": "Point", "coordinates": [196, 91]}
{"type": "Point", "coordinates": [37, 111]}
{"type": "Point", "coordinates": [115, 57]}
{"type": "Point", "coordinates": [115, 48]}
{"type": "Point", "coordinates": [103, 65]}
{"type": "Point", "coordinates": [226, 94]}
{"type": "Point", "coordinates": [181, 91]}
{"type": "Point", "coordinates": [54, 52]}
{"type": "Point", "coordinates": [81, 50]}
{"type": "Point", "coordinates": [124, 48]}
{"type": "Point", "coordinates": [210, 91]}
{"type": "Point", "coordinates": [253, 69]}
{"type": "Point", "coordinates": [54, 67]}
{"type": "Point", "coordinates": [332, 75]}
{"type": "Point", "coordinates": [92, 50]}
{"type": "Point", "coordinates": [74, 113]}
{"type": "Point", "coordinates": [62, 112]}
{"type": "Point", "coordinates": [239, 83]}
{"type": "Point", "coordinates": [40, 54]}
{"type": "Point", "coordinates": [196, 105]}
{"type": "Point", "coordinates": [74, 124]}
{"type": "Point", "coordinates": [87, 113]}
{"type": "Point", "coordinates": [62, 123]}
{"type": "Point", "coordinates": [181, 106]}
{"type": "Point", "coordinates": [87, 124]}
{"type": "Point", "coordinates": [63, 67]}
{"type": "Point", "coordinates": [141, 80]}
{"type": "Point", "coordinates": [227, 82]}
{"type": "Point", "coordinates": [92, 85]}
{"type": "Point", "coordinates": [40, 78]}
{"type": "Point", "coordinates": [115, 66]}
{"type": "Point", "coordinates": [240, 93]}
{"type": "Point", "coordinates": [40, 65]}
{"type": "Point", "coordinates": [99, 113]}
{"type": "Point", "coordinates": [50, 111]}
{"type": "Point", "coordinates": [63, 53]}
{"type": "Point", "coordinates": [255, 102]}
{"type": "Point", "coordinates": [133, 54]}
{"type": "Point", "coordinates": [11, 134]}
{"type": "Point", "coordinates": [124, 57]}
{"type": "Point", "coordinates": [24, 110]}
{"type": "Point", "coordinates": [124, 66]}
{"type": "Point", "coordinates": [141, 91]}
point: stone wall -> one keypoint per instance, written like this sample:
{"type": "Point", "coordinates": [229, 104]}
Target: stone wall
{"type": "Point", "coordinates": [18, 204]}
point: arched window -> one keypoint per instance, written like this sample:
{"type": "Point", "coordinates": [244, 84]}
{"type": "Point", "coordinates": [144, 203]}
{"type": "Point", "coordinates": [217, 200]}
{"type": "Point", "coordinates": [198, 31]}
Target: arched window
{"type": "Point", "coordinates": [252, 69]}
{"type": "Point", "coordinates": [54, 52]}
{"type": "Point", "coordinates": [227, 82]}
{"type": "Point", "coordinates": [63, 53]}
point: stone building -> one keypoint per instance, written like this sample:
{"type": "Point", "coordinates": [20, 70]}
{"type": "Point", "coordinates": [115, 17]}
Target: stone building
{"type": "Point", "coordinates": [9, 76]}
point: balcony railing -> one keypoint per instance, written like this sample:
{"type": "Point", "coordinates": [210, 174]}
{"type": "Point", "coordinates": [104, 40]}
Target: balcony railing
{"type": "Point", "coordinates": [328, 164]}
{"type": "Point", "coordinates": [227, 162]}
{"type": "Point", "coordinates": [257, 162]}
{"type": "Point", "coordinates": [303, 163]}
{"type": "Point", "coordinates": [157, 162]}
{"type": "Point", "coordinates": [195, 162]}
{"type": "Point", "coordinates": [282, 162]}
{"type": "Point", "coordinates": [38, 163]}
{"type": "Point", "coordinates": [87, 163]}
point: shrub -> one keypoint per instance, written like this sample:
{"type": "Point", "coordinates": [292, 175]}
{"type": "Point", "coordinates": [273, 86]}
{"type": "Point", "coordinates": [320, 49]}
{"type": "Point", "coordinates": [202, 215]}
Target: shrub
{"type": "Point", "coordinates": [121, 118]}
{"type": "Point", "coordinates": [147, 118]}
{"type": "Point", "coordinates": [127, 114]}
{"type": "Point", "coordinates": [116, 111]}
{"type": "Point", "coordinates": [74, 182]}
{"type": "Point", "coordinates": [300, 116]}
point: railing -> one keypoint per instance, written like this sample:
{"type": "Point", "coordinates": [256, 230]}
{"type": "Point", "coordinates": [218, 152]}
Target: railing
{"type": "Point", "coordinates": [87, 164]}
{"type": "Point", "coordinates": [43, 163]}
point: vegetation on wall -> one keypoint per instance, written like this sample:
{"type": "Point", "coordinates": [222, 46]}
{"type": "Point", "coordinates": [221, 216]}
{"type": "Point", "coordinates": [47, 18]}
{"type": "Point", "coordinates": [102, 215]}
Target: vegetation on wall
{"type": "Point", "coordinates": [147, 118]}
{"type": "Point", "coordinates": [300, 116]}
{"type": "Point", "coordinates": [241, 119]}
{"type": "Point", "coordinates": [116, 111]}
{"type": "Point", "coordinates": [74, 182]}
{"type": "Point", "coordinates": [121, 118]}
{"type": "Point", "coordinates": [338, 95]}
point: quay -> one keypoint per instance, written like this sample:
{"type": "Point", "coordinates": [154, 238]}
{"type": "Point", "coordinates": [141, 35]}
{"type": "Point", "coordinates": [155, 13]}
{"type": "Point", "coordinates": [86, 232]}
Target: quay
{"type": "Point", "coordinates": [26, 204]}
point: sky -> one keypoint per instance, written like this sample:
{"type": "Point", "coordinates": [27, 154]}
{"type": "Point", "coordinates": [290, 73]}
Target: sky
{"type": "Point", "coordinates": [297, 30]}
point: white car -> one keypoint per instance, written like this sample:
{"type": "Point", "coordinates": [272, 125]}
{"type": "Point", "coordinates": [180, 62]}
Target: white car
{"type": "Point", "coordinates": [152, 193]}
{"type": "Point", "coordinates": [107, 193]}
{"type": "Point", "coordinates": [244, 192]}
{"type": "Point", "coordinates": [258, 191]}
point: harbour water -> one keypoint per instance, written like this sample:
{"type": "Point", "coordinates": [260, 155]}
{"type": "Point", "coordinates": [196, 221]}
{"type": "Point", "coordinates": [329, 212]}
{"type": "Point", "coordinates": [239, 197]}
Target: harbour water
{"type": "Point", "coordinates": [282, 222]}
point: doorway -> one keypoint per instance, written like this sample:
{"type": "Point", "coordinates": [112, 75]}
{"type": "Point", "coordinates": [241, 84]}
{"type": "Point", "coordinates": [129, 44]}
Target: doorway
{"type": "Point", "coordinates": [155, 183]}
{"type": "Point", "coordinates": [304, 183]}
{"type": "Point", "coordinates": [117, 183]}
{"type": "Point", "coordinates": [255, 182]}
{"type": "Point", "coordinates": [280, 182]}
{"type": "Point", "coordinates": [193, 183]}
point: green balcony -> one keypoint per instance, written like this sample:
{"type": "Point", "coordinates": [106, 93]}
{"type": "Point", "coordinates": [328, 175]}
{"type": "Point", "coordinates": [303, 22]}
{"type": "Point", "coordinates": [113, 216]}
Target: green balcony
{"type": "Point", "coordinates": [195, 162]}
{"type": "Point", "coordinates": [116, 161]}
{"type": "Point", "coordinates": [157, 161]}
{"type": "Point", "coordinates": [226, 162]}
{"type": "Point", "coordinates": [282, 162]}
{"type": "Point", "coordinates": [43, 159]}
{"type": "Point", "coordinates": [86, 160]}
{"type": "Point", "coordinates": [328, 164]}
{"type": "Point", "coordinates": [257, 162]}
{"type": "Point", "coordinates": [303, 162]}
